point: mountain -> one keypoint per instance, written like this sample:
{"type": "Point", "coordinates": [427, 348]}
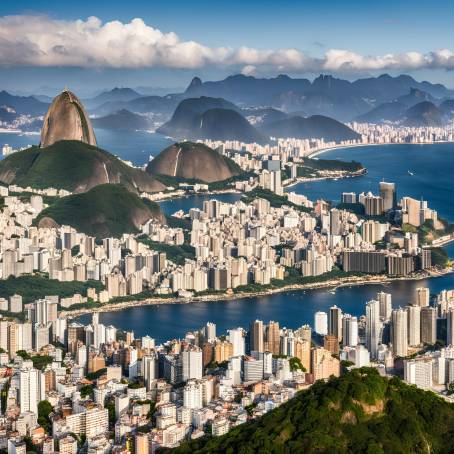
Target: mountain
{"type": "Point", "coordinates": [107, 210]}
{"type": "Point", "coordinates": [263, 115]}
{"type": "Point", "coordinates": [193, 161]}
{"type": "Point", "coordinates": [447, 109]}
{"type": "Point", "coordinates": [114, 95]}
{"type": "Point", "coordinates": [387, 112]}
{"type": "Point", "coordinates": [123, 120]}
{"type": "Point", "coordinates": [66, 119]}
{"type": "Point", "coordinates": [163, 105]}
{"type": "Point", "coordinates": [209, 118]}
{"type": "Point", "coordinates": [325, 95]}
{"type": "Point", "coordinates": [74, 166]}
{"type": "Point", "coordinates": [360, 412]}
{"type": "Point", "coordinates": [423, 114]}
{"type": "Point", "coordinates": [23, 105]}
{"type": "Point", "coordinates": [314, 127]}
{"type": "Point", "coordinates": [394, 111]}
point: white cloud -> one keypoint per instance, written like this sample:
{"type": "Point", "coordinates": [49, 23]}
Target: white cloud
{"type": "Point", "coordinates": [43, 41]}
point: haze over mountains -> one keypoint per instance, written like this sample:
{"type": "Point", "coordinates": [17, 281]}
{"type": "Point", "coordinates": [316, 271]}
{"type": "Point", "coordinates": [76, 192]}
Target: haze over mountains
{"type": "Point", "coordinates": [253, 109]}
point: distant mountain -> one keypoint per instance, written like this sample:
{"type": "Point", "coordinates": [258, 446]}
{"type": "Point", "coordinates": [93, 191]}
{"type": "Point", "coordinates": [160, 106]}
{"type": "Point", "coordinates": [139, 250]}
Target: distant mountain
{"type": "Point", "coordinates": [107, 210]}
{"type": "Point", "coordinates": [359, 412]}
{"type": "Point", "coordinates": [387, 112]}
{"type": "Point", "coordinates": [262, 116]}
{"type": "Point", "coordinates": [326, 95]}
{"type": "Point", "coordinates": [74, 166]}
{"type": "Point", "coordinates": [316, 126]}
{"type": "Point", "coordinates": [193, 161]}
{"type": "Point", "coordinates": [123, 120]}
{"type": "Point", "coordinates": [447, 109]}
{"type": "Point", "coordinates": [423, 114]}
{"type": "Point", "coordinates": [394, 111]}
{"type": "Point", "coordinates": [23, 105]}
{"type": "Point", "coordinates": [209, 118]}
{"type": "Point", "coordinates": [7, 114]}
{"type": "Point", "coordinates": [164, 105]}
{"type": "Point", "coordinates": [114, 95]}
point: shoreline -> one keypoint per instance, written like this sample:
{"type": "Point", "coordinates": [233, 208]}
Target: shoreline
{"type": "Point", "coordinates": [339, 147]}
{"type": "Point", "coordinates": [353, 281]}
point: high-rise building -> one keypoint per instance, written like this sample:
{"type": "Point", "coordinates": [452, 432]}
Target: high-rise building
{"type": "Point", "coordinates": [386, 307]}
{"type": "Point", "coordinates": [31, 389]}
{"type": "Point", "coordinates": [428, 325]}
{"type": "Point", "coordinates": [210, 332]}
{"type": "Point", "coordinates": [192, 363]}
{"type": "Point", "coordinates": [373, 327]}
{"type": "Point", "coordinates": [273, 338]}
{"type": "Point", "coordinates": [331, 343]}
{"type": "Point", "coordinates": [388, 194]}
{"type": "Point", "coordinates": [422, 296]}
{"type": "Point", "coordinates": [236, 338]}
{"type": "Point", "coordinates": [399, 320]}
{"type": "Point", "coordinates": [321, 323]}
{"type": "Point", "coordinates": [414, 325]}
{"type": "Point", "coordinates": [324, 364]}
{"type": "Point", "coordinates": [256, 336]}
{"type": "Point", "coordinates": [349, 331]}
{"type": "Point", "coordinates": [142, 445]}
{"type": "Point", "coordinates": [335, 322]}
{"type": "Point", "coordinates": [450, 328]}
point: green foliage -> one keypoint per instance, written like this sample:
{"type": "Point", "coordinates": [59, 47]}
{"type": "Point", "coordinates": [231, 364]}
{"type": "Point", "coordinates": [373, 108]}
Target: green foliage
{"type": "Point", "coordinates": [360, 412]}
{"type": "Point", "coordinates": [107, 210]}
{"type": "Point", "coordinates": [296, 364]}
{"type": "Point", "coordinates": [41, 361]}
{"type": "Point", "coordinates": [97, 374]}
{"type": "Point", "coordinates": [176, 254]}
{"type": "Point", "coordinates": [35, 287]}
{"type": "Point", "coordinates": [44, 410]}
{"type": "Point", "coordinates": [68, 164]}
{"type": "Point", "coordinates": [439, 256]}
{"type": "Point", "coordinates": [86, 391]}
{"type": "Point", "coordinates": [4, 395]}
{"type": "Point", "coordinates": [332, 164]}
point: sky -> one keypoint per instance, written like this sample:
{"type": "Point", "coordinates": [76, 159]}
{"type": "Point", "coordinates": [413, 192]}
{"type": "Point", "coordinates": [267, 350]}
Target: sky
{"type": "Point", "coordinates": [97, 44]}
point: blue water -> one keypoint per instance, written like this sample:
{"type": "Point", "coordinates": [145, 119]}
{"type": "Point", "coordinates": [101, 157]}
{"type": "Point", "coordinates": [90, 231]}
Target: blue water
{"type": "Point", "coordinates": [131, 146]}
{"type": "Point", "coordinates": [433, 167]}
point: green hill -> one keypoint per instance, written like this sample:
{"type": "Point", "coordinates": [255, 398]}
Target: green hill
{"type": "Point", "coordinates": [74, 166]}
{"type": "Point", "coordinates": [104, 211]}
{"type": "Point", "coordinates": [360, 412]}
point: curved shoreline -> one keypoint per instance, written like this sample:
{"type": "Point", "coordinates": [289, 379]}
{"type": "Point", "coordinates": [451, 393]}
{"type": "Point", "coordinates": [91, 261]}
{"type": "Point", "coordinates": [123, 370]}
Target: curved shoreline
{"type": "Point", "coordinates": [354, 281]}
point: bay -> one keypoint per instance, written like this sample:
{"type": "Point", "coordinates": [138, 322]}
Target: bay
{"type": "Point", "coordinates": [432, 166]}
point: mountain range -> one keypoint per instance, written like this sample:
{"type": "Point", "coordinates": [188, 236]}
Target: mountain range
{"type": "Point", "coordinates": [260, 101]}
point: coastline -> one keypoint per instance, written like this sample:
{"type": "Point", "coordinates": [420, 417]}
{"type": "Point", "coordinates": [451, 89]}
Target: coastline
{"type": "Point", "coordinates": [352, 281]}
{"type": "Point", "coordinates": [339, 147]}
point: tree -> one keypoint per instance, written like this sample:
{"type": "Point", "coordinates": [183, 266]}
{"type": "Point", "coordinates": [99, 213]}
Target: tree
{"type": "Point", "coordinates": [44, 410]}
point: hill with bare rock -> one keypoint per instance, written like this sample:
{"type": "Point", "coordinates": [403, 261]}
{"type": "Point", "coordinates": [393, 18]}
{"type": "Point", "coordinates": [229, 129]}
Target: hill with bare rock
{"type": "Point", "coordinates": [193, 161]}
{"type": "Point", "coordinates": [74, 166]}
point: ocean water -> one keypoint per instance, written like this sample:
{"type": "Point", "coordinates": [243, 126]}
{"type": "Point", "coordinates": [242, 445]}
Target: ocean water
{"type": "Point", "coordinates": [136, 147]}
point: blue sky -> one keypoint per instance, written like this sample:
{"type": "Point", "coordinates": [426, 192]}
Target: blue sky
{"type": "Point", "coordinates": [363, 27]}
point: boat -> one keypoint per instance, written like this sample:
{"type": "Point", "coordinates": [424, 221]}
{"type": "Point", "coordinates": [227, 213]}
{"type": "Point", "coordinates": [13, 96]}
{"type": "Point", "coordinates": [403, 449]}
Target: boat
{"type": "Point", "coordinates": [410, 173]}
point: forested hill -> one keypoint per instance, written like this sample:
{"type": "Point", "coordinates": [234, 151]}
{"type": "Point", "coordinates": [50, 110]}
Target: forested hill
{"type": "Point", "coordinates": [360, 412]}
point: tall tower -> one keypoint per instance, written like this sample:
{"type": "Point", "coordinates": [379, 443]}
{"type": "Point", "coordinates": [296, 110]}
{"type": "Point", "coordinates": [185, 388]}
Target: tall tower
{"type": "Point", "coordinates": [373, 326]}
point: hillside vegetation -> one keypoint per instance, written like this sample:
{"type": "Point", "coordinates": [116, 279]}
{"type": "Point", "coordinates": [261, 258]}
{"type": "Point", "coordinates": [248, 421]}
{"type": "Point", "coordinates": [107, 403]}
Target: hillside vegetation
{"type": "Point", "coordinates": [360, 412]}
{"type": "Point", "coordinates": [74, 166]}
{"type": "Point", "coordinates": [106, 210]}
